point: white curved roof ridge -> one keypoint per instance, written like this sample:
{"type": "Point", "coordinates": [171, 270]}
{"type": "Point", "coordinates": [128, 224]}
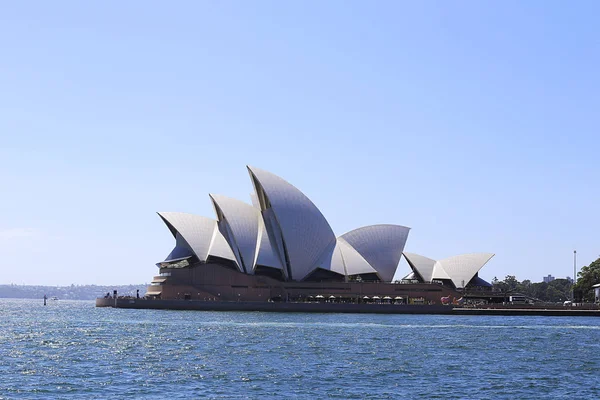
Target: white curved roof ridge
{"type": "Point", "coordinates": [355, 263]}
{"type": "Point", "coordinates": [219, 247]}
{"type": "Point", "coordinates": [195, 230]}
{"type": "Point", "coordinates": [239, 224]}
{"type": "Point", "coordinates": [266, 255]}
{"type": "Point", "coordinates": [421, 265]}
{"type": "Point", "coordinates": [305, 231]}
{"type": "Point", "coordinates": [462, 268]}
{"type": "Point", "coordinates": [380, 245]}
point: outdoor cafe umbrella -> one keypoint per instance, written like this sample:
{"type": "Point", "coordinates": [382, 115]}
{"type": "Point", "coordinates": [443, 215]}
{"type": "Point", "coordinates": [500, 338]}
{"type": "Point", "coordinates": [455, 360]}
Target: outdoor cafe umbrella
{"type": "Point", "coordinates": [332, 297]}
{"type": "Point", "coordinates": [318, 296]}
{"type": "Point", "coordinates": [387, 298]}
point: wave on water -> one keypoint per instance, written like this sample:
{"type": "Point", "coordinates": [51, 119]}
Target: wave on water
{"type": "Point", "coordinates": [359, 325]}
{"type": "Point", "coordinates": [78, 351]}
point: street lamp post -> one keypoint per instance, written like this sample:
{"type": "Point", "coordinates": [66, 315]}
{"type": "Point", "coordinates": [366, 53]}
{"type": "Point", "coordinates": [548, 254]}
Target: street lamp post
{"type": "Point", "coordinates": [574, 266]}
{"type": "Point", "coordinates": [574, 273]}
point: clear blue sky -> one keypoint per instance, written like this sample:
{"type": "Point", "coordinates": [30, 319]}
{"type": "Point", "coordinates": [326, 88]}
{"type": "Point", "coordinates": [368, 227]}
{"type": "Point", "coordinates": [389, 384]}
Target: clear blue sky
{"type": "Point", "coordinates": [475, 123]}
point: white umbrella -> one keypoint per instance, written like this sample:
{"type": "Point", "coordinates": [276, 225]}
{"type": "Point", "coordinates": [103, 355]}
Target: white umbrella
{"type": "Point", "coordinates": [332, 297]}
{"type": "Point", "coordinates": [319, 296]}
{"type": "Point", "coordinates": [398, 298]}
{"type": "Point", "coordinates": [366, 297]}
{"type": "Point", "coordinates": [387, 298]}
{"type": "Point", "coordinates": [375, 297]}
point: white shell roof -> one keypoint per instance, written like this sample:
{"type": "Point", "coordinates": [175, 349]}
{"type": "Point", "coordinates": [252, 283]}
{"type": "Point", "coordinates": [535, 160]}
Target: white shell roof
{"type": "Point", "coordinates": [463, 268]}
{"type": "Point", "coordinates": [459, 269]}
{"type": "Point", "coordinates": [197, 231]}
{"type": "Point", "coordinates": [337, 260]}
{"type": "Point", "coordinates": [303, 238]}
{"type": "Point", "coordinates": [380, 245]}
{"type": "Point", "coordinates": [333, 260]}
{"type": "Point", "coordinates": [266, 254]}
{"type": "Point", "coordinates": [354, 262]}
{"type": "Point", "coordinates": [219, 246]}
{"type": "Point", "coordinates": [439, 272]}
{"type": "Point", "coordinates": [423, 265]}
{"type": "Point", "coordinates": [243, 222]}
{"type": "Point", "coordinates": [306, 232]}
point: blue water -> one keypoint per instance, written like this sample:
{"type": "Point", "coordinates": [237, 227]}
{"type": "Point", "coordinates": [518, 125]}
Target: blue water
{"type": "Point", "coordinates": [70, 349]}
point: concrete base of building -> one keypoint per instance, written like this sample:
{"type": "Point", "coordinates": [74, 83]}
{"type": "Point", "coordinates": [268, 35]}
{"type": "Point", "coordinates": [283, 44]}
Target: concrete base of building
{"type": "Point", "coordinates": [273, 306]}
{"type": "Point", "coordinates": [336, 308]}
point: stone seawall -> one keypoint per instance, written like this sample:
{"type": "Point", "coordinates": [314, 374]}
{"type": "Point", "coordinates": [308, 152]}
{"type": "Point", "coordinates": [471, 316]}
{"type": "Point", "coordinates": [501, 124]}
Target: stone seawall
{"type": "Point", "coordinates": [274, 307]}
{"type": "Point", "coordinates": [550, 312]}
{"type": "Point", "coordinates": [335, 308]}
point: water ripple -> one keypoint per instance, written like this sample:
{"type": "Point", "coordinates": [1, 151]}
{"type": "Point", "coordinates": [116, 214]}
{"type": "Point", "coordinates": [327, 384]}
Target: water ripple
{"type": "Point", "coordinates": [71, 349]}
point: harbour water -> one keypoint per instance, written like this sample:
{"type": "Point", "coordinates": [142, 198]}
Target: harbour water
{"type": "Point", "coordinates": [70, 349]}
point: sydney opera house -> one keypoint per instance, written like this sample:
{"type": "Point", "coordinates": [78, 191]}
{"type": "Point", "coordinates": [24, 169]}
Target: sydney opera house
{"type": "Point", "coordinates": [281, 248]}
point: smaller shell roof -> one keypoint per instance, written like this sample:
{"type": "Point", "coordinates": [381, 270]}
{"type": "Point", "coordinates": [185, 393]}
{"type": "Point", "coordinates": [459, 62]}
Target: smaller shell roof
{"type": "Point", "coordinates": [380, 245]}
{"type": "Point", "coordinates": [462, 268]}
{"type": "Point", "coordinates": [196, 231]}
{"type": "Point", "coordinates": [459, 269]}
{"type": "Point", "coordinates": [422, 265]}
{"type": "Point", "coordinates": [354, 262]}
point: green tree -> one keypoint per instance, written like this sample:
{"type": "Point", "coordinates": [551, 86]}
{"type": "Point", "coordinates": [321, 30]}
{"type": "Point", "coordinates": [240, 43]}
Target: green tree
{"type": "Point", "coordinates": [538, 290]}
{"type": "Point", "coordinates": [524, 287]}
{"type": "Point", "coordinates": [586, 278]}
{"type": "Point", "coordinates": [500, 286]}
{"type": "Point", "coordinates": [563, 287]}
{"type": "Point", "coordinates": [511, 282]}
{"type": "Point", "coordinates": [553, 294]}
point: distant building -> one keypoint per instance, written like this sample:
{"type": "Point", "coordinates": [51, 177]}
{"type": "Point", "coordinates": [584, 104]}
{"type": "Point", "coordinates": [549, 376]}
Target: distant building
{"type": "Point", "coordinates": [548, 279]}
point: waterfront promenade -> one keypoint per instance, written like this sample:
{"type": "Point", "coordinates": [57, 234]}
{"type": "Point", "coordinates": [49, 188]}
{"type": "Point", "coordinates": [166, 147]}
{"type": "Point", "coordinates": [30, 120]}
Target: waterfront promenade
{"type": "Point", "coordinates": [316, 307]}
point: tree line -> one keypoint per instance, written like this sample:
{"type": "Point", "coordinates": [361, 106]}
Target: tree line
{"type": "Point", "coordinates": [557, 290]}
{"type": "Point", "coordinates": [587, 277]}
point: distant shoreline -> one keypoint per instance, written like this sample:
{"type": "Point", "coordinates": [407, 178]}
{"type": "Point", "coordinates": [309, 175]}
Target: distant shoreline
{"type": "Point", "coordinates": [71, 292]}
